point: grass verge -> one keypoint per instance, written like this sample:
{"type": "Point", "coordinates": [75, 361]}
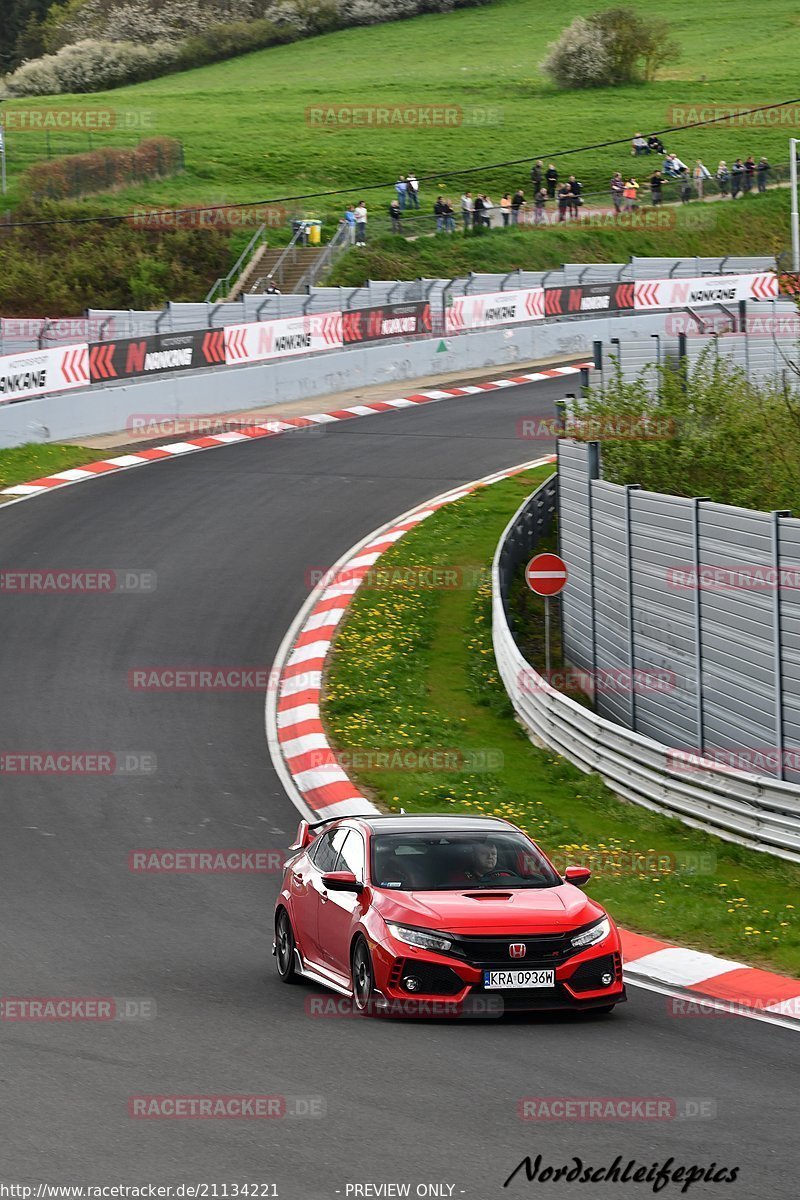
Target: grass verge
{"type": "Point", "coordinates": [34, 460]}
{"type": "Point", "coordinates": [413, 668]}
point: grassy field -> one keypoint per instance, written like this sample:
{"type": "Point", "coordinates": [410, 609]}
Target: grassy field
{"type": "Point", "coordinates": [34, 461]}
{"type": "Point", "coordinates": [414, 668]}
{"type": "Point", "coordinates": [752, 225]}
{"type": "Point", "coordinates": [247, 137]}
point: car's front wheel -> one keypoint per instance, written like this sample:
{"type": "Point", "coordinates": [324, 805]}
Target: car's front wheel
{"type": "Point", "coordinates": [363, 976]}
{"type": "Point", "coordinates": [284, 948]}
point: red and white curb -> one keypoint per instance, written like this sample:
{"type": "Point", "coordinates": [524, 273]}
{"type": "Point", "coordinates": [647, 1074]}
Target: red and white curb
{"type": "Point", "coordinates": [140, 458]}
{"type": "Point", "coordinates": [319, 787]}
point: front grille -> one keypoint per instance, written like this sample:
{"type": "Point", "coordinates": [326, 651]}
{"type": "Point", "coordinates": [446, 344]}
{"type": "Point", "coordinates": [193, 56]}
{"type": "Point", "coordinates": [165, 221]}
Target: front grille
{"type": "Point", "coordinates": [435, 980]}
{"type": "Point", "coordinates": [541, 950]}
{"type": "Point", "coordinates": [588, 976]}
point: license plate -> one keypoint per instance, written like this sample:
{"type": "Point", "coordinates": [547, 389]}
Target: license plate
{"type": "Point", "coordinates": [519, 979]}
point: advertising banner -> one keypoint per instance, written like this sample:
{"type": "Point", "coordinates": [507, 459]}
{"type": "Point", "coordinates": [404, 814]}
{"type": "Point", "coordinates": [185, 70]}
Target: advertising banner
{"type": "Point", "coordinates": [494, 308]}
{"type": "Point", "coordinates": [157, 354]}
{"type": "Point", "coordinates": [709, 289]}
{"type": "Point", "coordinates": [386, 321]}
{"type": "Point", "coordinates": [278, 339]}
{"type": "Point", "coordinates": [40, 371]}
{"type": "Point", "coordinates": [588, 298]}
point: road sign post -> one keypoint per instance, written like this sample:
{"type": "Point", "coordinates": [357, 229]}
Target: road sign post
{"type": "Point", "coordinates": [546, 575]}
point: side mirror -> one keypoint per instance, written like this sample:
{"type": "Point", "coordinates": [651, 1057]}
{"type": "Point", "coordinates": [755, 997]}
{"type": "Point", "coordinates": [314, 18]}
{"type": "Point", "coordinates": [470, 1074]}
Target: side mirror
{"type": "Point", "coordinates": [577, 876]}
{"type": "Point", "coordinates": [303, 838]}
{"type": "Point", "coordinates": [342, 881]}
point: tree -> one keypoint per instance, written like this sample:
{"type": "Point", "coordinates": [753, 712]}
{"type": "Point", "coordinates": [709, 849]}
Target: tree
{"type": "Point", "coordinates": [609, 49]}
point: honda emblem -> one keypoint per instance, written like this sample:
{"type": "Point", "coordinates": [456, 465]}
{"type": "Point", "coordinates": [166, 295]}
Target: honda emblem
{"type": "Point", "coordinates": [517, 949]}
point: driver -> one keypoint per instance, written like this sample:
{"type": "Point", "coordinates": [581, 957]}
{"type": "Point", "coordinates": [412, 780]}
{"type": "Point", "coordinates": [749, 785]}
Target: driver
{"type": "Point", "coordinates": [483, 866]}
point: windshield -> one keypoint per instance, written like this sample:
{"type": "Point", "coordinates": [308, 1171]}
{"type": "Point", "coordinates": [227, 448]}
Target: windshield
{"type": "Point", "coordinates": [455, 861]}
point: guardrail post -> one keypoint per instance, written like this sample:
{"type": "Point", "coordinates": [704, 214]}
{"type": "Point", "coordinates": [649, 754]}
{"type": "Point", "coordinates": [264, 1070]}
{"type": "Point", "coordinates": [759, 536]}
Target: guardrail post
{"type": "Point", "coordinates": [630, 487]}
{"type": "Point", "coordinates": [777, 638]}
{"type": "Point", "coordinates": [593, 472]}
{"type": "Point", "coordinates": [698, 625]}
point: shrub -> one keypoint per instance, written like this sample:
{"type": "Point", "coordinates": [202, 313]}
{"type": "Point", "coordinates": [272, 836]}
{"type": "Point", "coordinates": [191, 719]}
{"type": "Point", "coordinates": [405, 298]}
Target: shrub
{"type": "Point", "coordinates": [75, 175]}
{"type": "Point", "coordinates": [609, 49]}
{"type": "Point", "coordinates": [90, 66]}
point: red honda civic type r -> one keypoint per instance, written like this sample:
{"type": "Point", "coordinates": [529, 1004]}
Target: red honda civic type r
{"type": "Point", "coordinates": [453, 910]}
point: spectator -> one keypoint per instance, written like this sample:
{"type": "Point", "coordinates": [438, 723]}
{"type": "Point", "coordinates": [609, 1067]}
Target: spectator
{"type": "Point", "coordinates": [401, 187]}
{"type": "Point", "coordinates": [412, 190]}
{"type": "Point", "coordinates": [575, 188]}
{"type": "Point", "coordinates": [673, 167]}
{"type": "Point", "coordinates": [639, 145]}
{"type": "Point", "coordinates": [700, 174]}
{"type": "Point", "coordinates": [723, 177]}
{"type": "Point", "coordinates": [467, 209]}
{"type": "Point", "coordinates": [505, 208]}
{"type": "Point", "coordinates": [449, 217]}
{"type": "Point", "coordinates": [271, 289]}
{"type": "Point", "coordinates": [655, 144]}
{"type": "Point", "coordinates": [478, 207]}
{"type": "Point", "coordinates": [517, 201]}
{"type": "Point", "coordinates": [395, 212]}
{"type": "Point", "coordinates": [656, 184]}
{"type": "Point", "coordinates": [749, 172]}
{"type": "Point", "coordinates": [617, 191]}
{"type": "Point", "coordinates": [762, 172]}
{"type": "Point", "coordinates": [349, 219]}
{"type": "Point", "coordinates": [564, 201]}
{"type": "Point", "coordinates": [686, 189]}
{"type": "Point", "coordinates": [737, 177]}
{"type": "Point", "coordinates": [487, 211]}
{"type": "Point", "coordinates": [537, 175]}
{"type": "Point", "coordinates": [630, 193]}
{"type": "Point", "coordinates": [551, 179]}
{"type": "Point", "coordinates": [360, 213]}
{"type": "Point", "coordinates": [438, 212]}
{"type": "Point", "coordinates": [539, 202]}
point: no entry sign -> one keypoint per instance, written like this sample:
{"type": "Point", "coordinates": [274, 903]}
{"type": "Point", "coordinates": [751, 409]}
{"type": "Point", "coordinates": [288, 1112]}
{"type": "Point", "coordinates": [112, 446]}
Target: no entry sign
{"type": "Point", "coordinates": [546, 574]}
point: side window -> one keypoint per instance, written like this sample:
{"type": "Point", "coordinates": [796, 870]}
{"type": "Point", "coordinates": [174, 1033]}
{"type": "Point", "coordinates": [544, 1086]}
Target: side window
{"type": "Point", "coordinates": [327, 852]}
{"type": "Point", "coordinates": [353, 855]}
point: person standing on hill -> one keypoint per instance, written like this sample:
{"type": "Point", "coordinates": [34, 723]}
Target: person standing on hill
{"type": "Point", "coordinates": [505, 208]}
{"type": "Point", "coordinates": [517, 201]}
{"type": "Point", "coordinates": [360, 213]}
{"type": "Point", "coordinates": [539, 201]}
{"type": "Point", "coordinates": [737, 178]}
{"type": "Point", "coordinates": [401, 187]}
{"type": "Point", "coordinates": [575, 201]}
{"type": "Point", "coordinates": [617, 187]}
{"type": "Point", "coordinates": [412, 190]}
{"type": "Point", "coordinates": [656, 185]}
{"type": "Point", "coordinates": [395, 212]}
{"type": "Point", "coordinates": [537, 175]}
{"type": "Point", "coordinates": [467, 209]}
{"type": "Point", "coordinates": [700, 174]}
{"type": "Point", "coordinates": [723, 177]}
{"type": "Point", "coordinates": [762, 171]}
{"type": "Point", "coordinates": [551, 179]}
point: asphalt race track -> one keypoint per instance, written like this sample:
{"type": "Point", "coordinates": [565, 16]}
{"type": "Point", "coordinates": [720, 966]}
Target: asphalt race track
{"type": "Point", "coordinates": [231, 535]}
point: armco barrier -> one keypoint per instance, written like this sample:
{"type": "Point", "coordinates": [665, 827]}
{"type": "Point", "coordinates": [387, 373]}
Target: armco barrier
{"type": "Point", "coordinates": [751, 810]}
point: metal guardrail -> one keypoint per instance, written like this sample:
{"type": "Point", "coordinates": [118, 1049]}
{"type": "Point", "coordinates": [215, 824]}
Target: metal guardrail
{"type": "Point", "coordinates": [222, 286]}
{"type": "Point", "coordinates": [751, 810]}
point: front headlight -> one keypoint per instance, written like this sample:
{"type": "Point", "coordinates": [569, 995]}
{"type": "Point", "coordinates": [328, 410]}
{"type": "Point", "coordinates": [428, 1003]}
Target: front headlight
{"type": "Point", "coordinates": [424, 939]}
{"type": "Point", "coordinates": [597, 933]}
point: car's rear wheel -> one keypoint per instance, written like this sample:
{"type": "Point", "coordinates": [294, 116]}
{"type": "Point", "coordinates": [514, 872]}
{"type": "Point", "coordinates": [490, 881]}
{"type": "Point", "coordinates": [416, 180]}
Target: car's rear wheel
{"type": "Point", "coordinates": [284, 948]}
{"type": "Point", "coordinates": [363, 976]}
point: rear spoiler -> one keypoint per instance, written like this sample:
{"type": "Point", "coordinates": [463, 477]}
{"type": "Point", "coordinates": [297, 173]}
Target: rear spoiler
{"type": "Point", "coordinates": [307, 831]}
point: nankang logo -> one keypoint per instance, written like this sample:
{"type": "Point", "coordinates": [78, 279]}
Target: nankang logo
{"type": "Point", "coordinates": [292, 341]}
{"type": "Point", "coordinates": [165, 360]}
{"type": "Point", "coordinates": [501, 312]}
{"type": "Point", "coordinates": [711, 294]}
